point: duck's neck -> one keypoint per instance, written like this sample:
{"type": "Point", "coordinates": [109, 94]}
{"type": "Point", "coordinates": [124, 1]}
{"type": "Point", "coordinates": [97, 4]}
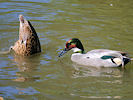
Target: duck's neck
{"type": "Point", "coordinates": [77, 50]}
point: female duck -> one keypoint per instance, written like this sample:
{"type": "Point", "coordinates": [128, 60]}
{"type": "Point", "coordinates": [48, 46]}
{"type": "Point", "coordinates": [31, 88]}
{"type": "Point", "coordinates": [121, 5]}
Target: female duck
{"type": "Point", "coordinates": [28, 42]}
{"type": "Point", "coordinates": [97, 57]}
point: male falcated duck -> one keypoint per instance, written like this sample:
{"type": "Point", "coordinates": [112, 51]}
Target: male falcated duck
{"type": "Point", "coordinates": [28, 42]}
{"type": "Point", "coordinates": [97, 57]}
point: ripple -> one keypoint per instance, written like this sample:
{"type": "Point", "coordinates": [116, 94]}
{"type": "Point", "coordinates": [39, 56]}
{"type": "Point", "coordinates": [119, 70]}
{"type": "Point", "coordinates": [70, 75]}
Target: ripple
{"type": "Point", "coordinates": [39, 1]}
{"type": "Point", "coordinates": [10, 91]}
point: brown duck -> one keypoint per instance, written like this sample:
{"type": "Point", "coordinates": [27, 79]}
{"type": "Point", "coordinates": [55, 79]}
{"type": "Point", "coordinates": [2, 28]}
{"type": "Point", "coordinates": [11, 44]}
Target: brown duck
{"type": "Point", "coordinates": [28, 42]}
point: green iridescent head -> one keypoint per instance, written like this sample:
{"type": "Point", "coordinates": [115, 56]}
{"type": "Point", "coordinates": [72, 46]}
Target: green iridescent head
{"type": "Point", "coordinates": [73, 43]}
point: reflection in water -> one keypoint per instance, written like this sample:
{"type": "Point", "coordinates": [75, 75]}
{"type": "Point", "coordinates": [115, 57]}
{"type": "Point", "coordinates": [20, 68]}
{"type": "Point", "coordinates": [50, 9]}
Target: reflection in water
{"type": "Point", "coordinates": [29, 90]}
{"type": "Point", "coordinates": [102, 97]}
{"type": "Point", "coordinates": [99, 82]}
{"type": "Point", "coordinates": [10, 91]}
{"type": "Point", "coordinates": [85, 71]}
{"type": "Point", "coordinates": [26, 64]}
{"type": "Point", "coordinates": [1, 98]}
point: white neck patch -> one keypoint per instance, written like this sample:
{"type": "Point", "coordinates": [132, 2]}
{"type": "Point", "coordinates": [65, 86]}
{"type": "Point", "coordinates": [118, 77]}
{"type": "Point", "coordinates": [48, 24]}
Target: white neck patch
{"type": "Point", "coordinates": [76, 49]}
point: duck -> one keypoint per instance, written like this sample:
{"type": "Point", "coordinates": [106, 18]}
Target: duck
{"type": "Point", "coordinates": [28, 42]}
{"type": "Point", "coordinates": [96, 57]}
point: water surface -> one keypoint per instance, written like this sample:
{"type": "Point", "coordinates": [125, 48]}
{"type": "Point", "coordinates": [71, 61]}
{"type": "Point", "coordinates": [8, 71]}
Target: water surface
{"type": "Point", "coordinates": [97, 23]}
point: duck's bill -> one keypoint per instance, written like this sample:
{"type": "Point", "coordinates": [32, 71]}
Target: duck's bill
{"type": "Point", "coordinates": [63, 52]}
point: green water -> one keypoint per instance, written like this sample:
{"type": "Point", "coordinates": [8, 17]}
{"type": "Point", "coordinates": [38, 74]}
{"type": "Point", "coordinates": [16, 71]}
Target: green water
{"type": "Point", "coordinates": [97, 23]}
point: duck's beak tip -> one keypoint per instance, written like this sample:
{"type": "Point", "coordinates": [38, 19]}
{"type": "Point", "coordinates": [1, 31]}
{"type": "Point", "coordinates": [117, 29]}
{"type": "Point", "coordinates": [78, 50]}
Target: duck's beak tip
{"type": "Point", "coordinates": [62, 52]}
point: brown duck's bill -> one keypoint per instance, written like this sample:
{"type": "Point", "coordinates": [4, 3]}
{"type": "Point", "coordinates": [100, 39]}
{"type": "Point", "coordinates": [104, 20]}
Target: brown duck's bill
{"type": "Point", "coordinates": [63, 52]}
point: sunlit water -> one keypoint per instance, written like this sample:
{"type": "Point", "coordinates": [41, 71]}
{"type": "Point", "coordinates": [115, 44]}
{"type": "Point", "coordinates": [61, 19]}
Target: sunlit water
{"type": "Point", "coordinates": [97, 23]}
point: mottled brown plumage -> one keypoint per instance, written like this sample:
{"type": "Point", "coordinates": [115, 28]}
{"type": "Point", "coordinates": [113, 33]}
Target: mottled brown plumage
{"type": "Point", "coordinates": [28, 42]}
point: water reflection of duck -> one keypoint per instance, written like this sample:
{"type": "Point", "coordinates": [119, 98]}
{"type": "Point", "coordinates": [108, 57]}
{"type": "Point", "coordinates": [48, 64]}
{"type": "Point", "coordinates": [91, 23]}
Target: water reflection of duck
{"type": "Point", "coordinates": [85, 71]}
{"type": "Point", "coordinates": [97, 57]}
{"type": "Point", "coordinates": [28, 42]}
{"type": "Point", "coordinates": [26, 64]}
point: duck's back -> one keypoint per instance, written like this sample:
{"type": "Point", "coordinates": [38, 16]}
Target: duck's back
{"type": "Point", "coordinates": [97, 58]}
